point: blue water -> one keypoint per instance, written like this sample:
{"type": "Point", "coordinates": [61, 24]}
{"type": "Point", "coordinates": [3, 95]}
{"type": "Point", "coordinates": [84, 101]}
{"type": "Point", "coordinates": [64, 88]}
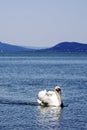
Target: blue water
{"type": "Point", "coordinates": [22, 77]}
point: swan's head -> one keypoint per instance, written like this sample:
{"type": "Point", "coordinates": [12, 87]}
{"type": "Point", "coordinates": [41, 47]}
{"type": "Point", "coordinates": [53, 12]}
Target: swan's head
{"type": "Point", "coordinates": [58, 89]}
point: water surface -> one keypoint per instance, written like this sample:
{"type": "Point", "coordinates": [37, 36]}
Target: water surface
{"type": "Point", "coordinates": [22, 77]}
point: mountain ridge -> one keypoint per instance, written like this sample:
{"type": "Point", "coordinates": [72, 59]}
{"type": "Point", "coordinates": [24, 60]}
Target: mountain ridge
{"type": "Point", "coordinates": [70, 47]}
{"type": "Point", "coordinates": [6, 47]}
{"type": "Point", "coordinates": [60, 47]}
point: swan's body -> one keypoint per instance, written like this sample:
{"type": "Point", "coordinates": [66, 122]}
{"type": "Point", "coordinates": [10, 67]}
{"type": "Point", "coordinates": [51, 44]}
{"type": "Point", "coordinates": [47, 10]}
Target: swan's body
{"type": "Point", "coordinates": [50, 98]}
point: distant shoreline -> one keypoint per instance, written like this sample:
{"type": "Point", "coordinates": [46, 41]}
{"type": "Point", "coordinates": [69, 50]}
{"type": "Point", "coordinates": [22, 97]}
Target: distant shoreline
{"type": "Point", "coordinates": [63, 47]}
{"type": "Point", "coordinates": [41, 54]}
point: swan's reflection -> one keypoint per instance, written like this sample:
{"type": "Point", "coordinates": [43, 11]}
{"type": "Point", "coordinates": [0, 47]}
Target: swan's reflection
{"type": "Point", "coordinates": [49, 117]}
{"type": "Point", "coordinates": [50, 111]}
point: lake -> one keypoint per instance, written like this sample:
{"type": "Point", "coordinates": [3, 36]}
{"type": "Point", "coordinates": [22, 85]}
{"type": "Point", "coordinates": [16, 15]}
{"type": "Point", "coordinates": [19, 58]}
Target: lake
{"type": "Point", "coordinates": [22, 77]}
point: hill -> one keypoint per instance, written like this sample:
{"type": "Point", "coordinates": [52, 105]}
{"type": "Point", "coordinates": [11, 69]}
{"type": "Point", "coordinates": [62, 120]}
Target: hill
{"type": "Point", "coordinates": [7, 48]}
{"type": "Point", "coordinates": [69, 47]}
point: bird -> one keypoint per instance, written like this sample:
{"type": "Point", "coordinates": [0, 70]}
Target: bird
{"type": "Point", "coordinates": [50, 98]}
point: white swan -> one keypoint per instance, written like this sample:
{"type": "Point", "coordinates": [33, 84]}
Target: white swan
{"type": "Point", "coordinates": [50, 98]}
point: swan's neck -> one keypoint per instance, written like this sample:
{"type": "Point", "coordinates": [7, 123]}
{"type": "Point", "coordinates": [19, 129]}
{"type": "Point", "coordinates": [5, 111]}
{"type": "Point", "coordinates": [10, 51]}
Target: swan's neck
{"type": "Point", "coordinates": [59, 98]}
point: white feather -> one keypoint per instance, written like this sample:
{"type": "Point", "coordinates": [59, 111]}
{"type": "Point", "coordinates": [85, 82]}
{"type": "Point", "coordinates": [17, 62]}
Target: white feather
{"type": "Point", "coordinates": [50, 98]}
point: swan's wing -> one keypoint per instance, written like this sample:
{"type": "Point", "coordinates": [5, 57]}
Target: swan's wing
{"type": "Point", "coordinates": [44, 101]}
{"type": "Point", "coordinates": [49, 100]}
{"type": "Point", "coordinates": [41, 94]}
{"type": "Point", "coordinates": [43, 98]}
{"type": "Point", "coordinates": [50, 93]}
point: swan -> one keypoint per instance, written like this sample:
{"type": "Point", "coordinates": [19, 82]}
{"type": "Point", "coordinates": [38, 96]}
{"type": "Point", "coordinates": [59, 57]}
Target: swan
{"type": "Point", "coordinates": [50, 98]}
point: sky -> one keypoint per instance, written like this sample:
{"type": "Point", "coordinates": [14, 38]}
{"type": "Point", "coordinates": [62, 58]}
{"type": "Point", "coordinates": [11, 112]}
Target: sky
{"type": "Point", "coordinates": [43, 23]}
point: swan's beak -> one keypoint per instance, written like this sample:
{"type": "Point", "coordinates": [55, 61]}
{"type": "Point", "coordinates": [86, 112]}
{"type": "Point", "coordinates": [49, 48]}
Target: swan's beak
{"type": "Point", "coordinates": [60, 91]}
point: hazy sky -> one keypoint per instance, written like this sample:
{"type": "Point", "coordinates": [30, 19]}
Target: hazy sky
{"type": "Point", "coordinates": [43, 22]}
